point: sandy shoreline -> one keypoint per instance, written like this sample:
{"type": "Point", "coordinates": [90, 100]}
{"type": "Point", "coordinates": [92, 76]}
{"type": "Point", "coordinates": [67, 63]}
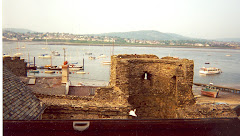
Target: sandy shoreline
{"type": "Point", "coordinates": [223, 97]}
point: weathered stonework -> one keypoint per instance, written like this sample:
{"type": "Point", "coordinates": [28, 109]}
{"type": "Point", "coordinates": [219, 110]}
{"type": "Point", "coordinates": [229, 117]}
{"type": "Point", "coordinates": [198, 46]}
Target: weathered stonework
{"type": "Point", "coordinates": [108, 104]}
{"type": "Point", "coordinates": [16, 65]}
{"type": "Point", "coordinates": [156, 87]}
{"type": "Point", "coordinates": [165, 91]}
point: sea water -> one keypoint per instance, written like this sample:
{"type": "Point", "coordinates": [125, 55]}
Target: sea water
{"type": "Point", "coordinates": [98, 74]}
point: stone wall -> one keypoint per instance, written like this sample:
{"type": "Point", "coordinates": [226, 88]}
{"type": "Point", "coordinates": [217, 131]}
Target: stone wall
{"type": "Point", "coordinates": [16, 65]}
{"type": "Point", "coordinates": [111, 96]}
{"type": "Point", "coordinates": [107, 103]}
{"type": "Point", "coordinates": [156, 87]}
{"type": "Point", "coordinates": [85, 112]}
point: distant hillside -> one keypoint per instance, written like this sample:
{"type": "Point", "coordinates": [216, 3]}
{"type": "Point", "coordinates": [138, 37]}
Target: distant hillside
{"type": "Point", "coordinates": [229, 39]}
{"type": "Point", "coordinates": [147, 35]}
{"type": "Point", "coordinates": [18, 30]}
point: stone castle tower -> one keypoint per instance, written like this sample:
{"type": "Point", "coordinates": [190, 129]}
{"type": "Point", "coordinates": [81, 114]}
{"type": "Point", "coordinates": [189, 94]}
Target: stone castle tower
{"type": "Point", "coordinates": [155, 87]}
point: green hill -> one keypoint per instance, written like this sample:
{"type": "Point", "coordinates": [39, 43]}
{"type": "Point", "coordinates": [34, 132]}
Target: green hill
{"type": "Point", "coordinates": [146, 35]}
{"type": "Point", "coordinates": [18, 30]}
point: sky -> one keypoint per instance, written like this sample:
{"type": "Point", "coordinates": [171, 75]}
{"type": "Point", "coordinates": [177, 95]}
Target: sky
{"type": "Point", "coordinates": [209, 19]}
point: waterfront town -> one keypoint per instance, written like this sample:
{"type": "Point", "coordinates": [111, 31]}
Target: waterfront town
{"type": "Point", "coordinates": [99, 39]}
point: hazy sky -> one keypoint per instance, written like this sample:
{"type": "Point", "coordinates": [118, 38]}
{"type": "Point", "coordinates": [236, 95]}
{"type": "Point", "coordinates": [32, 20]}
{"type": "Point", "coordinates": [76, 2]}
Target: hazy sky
{"type": "Point", "coordinates": [194, 18]}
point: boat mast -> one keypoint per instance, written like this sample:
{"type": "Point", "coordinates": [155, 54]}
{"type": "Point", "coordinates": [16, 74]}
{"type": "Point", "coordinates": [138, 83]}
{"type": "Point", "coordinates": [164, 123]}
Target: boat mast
{"type": "Point", "coordinates": [64, 54]}
{"type": "Point", "coordinates": [51, 60]}
{"type": "Point", "coordinates": [83, 62]}
{"type": "Point", "coordinates": [113, 47]}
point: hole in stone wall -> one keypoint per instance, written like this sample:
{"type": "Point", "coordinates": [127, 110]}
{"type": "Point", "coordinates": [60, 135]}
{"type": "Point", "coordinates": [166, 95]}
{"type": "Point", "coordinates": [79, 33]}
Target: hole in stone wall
{"type": "Point", "coordinates": [146, 76]}
{"type": "Point", "coordinates": [174, 78]}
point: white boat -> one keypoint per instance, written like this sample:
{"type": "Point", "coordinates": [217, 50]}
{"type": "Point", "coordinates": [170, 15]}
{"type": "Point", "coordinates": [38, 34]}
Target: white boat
{"type": "Point", "coordinates": [106, 62]}
{"type": "Point", "coordinates": [88, 53]}
{"type": "Point", "coordinates": [210, 70]}
{"type": "Point", "coordinates": [73, 63]}
{"type": "Point", "coordinates": [6, 55]}
{"type": "Point", "coordinates": [49, 72]}
{"type": "Point", "coordinates": [55, 53]}
{"type": "Point", "coordinates": [45, 56]}
{"type": "Point", "coordinates": [92, 58]}
{"type": "Point", "coordinates": [18, 54]}
{"type": "Point", "coordinates": [102, 56]}
{"type": "Point", "coordinates": [75, 68]}
{"type": "Point", "coordinates": [81, 72]}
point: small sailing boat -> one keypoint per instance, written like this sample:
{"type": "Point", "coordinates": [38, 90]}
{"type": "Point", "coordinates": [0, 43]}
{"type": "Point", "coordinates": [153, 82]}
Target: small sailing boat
{"type": "Point", "coordinates": [23, 47]}
{"type": "Point", "coordinates": [18, 54]}
{"type": "Point", "coordinates": [44, 48]}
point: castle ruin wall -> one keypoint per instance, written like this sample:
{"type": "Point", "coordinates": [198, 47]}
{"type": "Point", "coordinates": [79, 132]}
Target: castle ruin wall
{"type": "Point", "coordinates": [156, 87]}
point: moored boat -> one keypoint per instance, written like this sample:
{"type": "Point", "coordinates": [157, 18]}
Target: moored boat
{"type": "Point", "coordinates": [49, 72]}
{"type": "Point", "coordinates": [33, 71]}
{"type": "Point", "coordinates": [91, 57]}
{"type": "Point", "coordinates": [31, 66]}
{"type": "Point", "coordinates": [73, 67]}
{"type": "Point", "coordinates": [6, 55]}
{"type": "Point", "coordinates": [106, 62]}
{"type": "Point", "coordinates": [88, 53]}
{"type": "Point", "coordinates": [49, 66]}
{"type": "Point", "coordinates": [40, 67]}
{"type": "Point", "coordinates": [81, 72]}
{"type": "Point", "coordinates": [102, 56]}
{"type": "Point", "coordinates": [210, 90]}
{"type": "Point", "coordinates": [210, 70]}
{"type": "Point", "coordinates": [45, 56]}
{"type": "Point", "coordinates": [55, 53]}
{"type": "Point", "coordinates": [18, 54]}
{"type": "Point", "coordinates": [54, 68]}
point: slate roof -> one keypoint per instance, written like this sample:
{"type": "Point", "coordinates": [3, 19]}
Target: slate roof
{"type": "Point", "coordinates": [19, 103]}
